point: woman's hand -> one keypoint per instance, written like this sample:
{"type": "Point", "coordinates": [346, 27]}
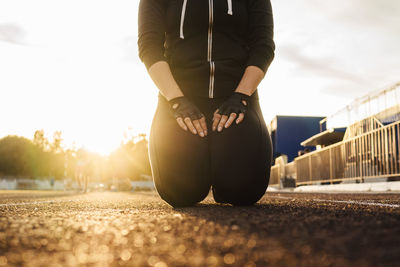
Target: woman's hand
{"type": "Point", "coordinates": [188, 116]}
{"type": "Point", "coordinates": [234, 107]}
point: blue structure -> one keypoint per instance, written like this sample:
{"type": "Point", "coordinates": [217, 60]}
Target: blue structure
{"type": "Point", "coordinates": [287, 132]}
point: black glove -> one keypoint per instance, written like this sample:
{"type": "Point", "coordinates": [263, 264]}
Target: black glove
{"type": "Point", "coordinates": [234, 104]}
{"type": "Point", "coordinates": [183, 108]}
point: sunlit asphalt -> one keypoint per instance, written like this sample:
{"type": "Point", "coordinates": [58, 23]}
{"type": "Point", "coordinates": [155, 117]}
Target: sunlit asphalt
{"type": "Point", "coordinates": [139, 229]}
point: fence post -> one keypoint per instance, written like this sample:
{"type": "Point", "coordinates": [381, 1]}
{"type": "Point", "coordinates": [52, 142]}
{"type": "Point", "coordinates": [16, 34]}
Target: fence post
{"type": "Point", "coordinates": [360, 152]}
{"type": "Point", "coordinates": [309, 168]}
{"type": "Point", "coordinates": [363, 158]}
{"type": "Point", "coordinates": [330, 165]}
{"type": "Point", "coordinates": [386, 151]}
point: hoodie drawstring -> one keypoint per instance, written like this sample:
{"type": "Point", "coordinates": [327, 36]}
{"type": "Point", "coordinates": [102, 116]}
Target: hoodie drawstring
{"type": "Point", "coordinates": [230, 12]}
{"type": "Point", "coordinates": [183, 18]}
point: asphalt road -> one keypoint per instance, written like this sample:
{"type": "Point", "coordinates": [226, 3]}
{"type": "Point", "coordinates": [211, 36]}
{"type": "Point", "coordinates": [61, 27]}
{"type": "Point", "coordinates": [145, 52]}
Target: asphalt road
{"type": "Point", "coordinates": [138, 229]}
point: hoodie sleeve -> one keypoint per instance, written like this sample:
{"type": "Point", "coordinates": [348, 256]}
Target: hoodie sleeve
{"type": "Point", "coordinates": [151, 31]}
{"type": "Point", "coordinates": [261, 33]}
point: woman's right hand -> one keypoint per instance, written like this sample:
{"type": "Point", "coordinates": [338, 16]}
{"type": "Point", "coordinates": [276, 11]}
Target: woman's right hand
{"type": "Point", "coordinates": [188, 116]}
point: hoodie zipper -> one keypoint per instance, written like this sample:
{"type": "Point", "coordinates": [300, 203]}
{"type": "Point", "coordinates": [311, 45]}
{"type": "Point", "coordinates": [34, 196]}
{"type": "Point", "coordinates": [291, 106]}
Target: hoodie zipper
{"type": "Point", "coordinates": [209, 52]}
{"type": "Point", "coordinates": [210, 38]}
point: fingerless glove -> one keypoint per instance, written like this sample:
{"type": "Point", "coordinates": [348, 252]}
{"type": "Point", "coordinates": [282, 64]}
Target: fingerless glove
{"type": "Point", "coordinates": [234, 104]}
{"type": "Point", "coordinates": [181, 107]}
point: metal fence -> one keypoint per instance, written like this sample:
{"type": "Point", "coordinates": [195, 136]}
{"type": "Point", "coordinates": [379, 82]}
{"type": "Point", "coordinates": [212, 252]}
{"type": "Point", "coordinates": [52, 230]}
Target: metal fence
{"type": "Point", "coordinates": [372, 154]}
{"type": "Point", "coordinates": [281, 171]}
{"type": "Point", "coordinates": [369, 149]}
{"type": "Point", "coordinates": [275, 175]}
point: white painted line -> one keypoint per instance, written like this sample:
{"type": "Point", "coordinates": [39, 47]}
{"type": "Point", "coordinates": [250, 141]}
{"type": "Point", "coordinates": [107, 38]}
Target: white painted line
{"type": "Point", "coordinates": [347, 202]}
{"type": "Point", "coordinates": [359, 203]}
{"type": "Point", "coordinates": [34, 203]}
{"type": "Point", "coordinates": [393, 186]}
{"type": "Point", "coordinates": [284, 197]}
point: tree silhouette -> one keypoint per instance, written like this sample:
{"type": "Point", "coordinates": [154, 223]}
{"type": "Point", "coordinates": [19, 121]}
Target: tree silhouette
{"type": "Point", "coordinates": [40, 140]}
{"type": "Point", "coordinates": [16, 155]}
{"type": "Point", "coordinates": [40, 158]}
{"type": "Point", "coordinates": [131, 159]}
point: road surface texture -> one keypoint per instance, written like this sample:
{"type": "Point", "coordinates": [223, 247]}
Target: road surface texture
{"type": "Point", "coordinates": [138, 229]}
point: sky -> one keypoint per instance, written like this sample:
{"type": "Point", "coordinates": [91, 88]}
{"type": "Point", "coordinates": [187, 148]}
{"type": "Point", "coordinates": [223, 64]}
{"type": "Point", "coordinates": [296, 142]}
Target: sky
{"type": "Point", "coordinates": [72, 66]}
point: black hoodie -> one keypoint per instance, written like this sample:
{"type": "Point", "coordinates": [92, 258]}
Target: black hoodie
{"type": "Point", "coordinates": [207, 43]}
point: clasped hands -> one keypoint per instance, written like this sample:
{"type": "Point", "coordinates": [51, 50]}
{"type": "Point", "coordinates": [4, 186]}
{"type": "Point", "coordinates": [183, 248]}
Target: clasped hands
{"type": "Point", "coordinates": [189, 117]}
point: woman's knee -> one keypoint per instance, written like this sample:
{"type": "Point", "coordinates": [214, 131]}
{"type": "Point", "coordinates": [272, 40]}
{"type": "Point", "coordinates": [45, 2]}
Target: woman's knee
{"type": "Point", "coordinates": [183, 196]}
{"type": "Point", "coordinates": [241, 195]}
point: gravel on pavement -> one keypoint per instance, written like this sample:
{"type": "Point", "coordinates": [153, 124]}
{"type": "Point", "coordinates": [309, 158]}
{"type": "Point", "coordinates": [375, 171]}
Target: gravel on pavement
{"type": "Point", "coordinates": [44, 228]}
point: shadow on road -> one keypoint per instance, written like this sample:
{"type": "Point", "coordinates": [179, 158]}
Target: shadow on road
{"type": "Point", "coordinates": [330, 233]}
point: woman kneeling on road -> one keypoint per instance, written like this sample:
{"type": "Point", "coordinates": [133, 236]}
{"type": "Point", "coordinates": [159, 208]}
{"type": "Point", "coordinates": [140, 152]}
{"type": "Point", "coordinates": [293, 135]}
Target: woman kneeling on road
{"type": "Point", "coordinates": [207, 59]}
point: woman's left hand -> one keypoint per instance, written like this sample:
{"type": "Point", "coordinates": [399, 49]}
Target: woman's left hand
{"type": "Point", "coordinates": [235, 107]}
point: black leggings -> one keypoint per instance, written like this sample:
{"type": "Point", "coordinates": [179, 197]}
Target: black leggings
{"type": "Point", "coordinates": [235, 162]}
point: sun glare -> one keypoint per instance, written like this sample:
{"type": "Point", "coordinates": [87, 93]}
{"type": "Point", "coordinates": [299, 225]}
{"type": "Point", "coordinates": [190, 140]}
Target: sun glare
{"type": "Point", "coordinates": [92, 104]}
{"type": "Point", "coordinates": [57, 77]}
{"type": "Point", "coordinates": [83, 77]}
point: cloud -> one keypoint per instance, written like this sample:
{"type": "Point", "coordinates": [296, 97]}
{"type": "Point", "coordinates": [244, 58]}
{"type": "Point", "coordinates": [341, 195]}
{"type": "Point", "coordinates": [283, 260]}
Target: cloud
{"type": "Point", "coordinates": [339, 79]}
{"type": "Point", "coordinates": [346, 48]}
{"type": "Point", "coordinates": [362, 13]}
{"type": "Point", "coordinates": [315, 66]}
{"type": "Point", "coordinates": [12, 33]}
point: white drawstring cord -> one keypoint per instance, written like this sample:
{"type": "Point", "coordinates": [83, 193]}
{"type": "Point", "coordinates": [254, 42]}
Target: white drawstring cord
{"type": "Point", "coordinates": [183, 18]}
{"type": "Point", "coordinates": [230, 12]}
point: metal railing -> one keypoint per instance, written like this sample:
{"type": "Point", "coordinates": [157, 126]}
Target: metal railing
{"type": "Point", "coordinates": [373, 154]}
{"type": "Point", "coordinates": [381, 104]}
{"type": "Point", "coordinates": [275, 175]}
{"type": "Point", "coordinates": [281, 171]}
{"type": "Point", "coordinates": [365, 126]}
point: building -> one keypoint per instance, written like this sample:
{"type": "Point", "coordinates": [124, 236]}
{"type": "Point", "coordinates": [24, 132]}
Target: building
{"type": "Point", "coordinates": [360, 142]}
{"type": "Point", "coordinates": [287, 132]}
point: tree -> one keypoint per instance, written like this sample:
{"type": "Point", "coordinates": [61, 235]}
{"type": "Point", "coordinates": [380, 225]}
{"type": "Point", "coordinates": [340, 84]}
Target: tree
{"type": "Point", "coordinates": [56, 146]}
{"type": "Point", "coordinates": [16, 155]}
{"type": "Point", "coordinates": [57, 159]}
{"type": "Point", "coordinates": [20, 156]}
{"type": "Point", "coordinates": [131, 159]}
{"type": "Point", "coordinates": [40, 140]}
